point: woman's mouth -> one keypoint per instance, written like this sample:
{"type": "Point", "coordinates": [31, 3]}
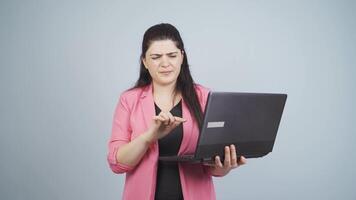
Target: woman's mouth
{"type": "Point", "coordinates": [166, 72]}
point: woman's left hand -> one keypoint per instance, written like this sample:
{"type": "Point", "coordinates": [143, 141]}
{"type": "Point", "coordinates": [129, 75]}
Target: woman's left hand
{"type": "Point", "coordinates": [230, 162]}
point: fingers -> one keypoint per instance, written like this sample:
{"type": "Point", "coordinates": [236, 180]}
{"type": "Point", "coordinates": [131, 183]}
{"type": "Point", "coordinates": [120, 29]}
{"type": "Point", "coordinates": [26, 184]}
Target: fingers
{"type": "Point", "coordinates": [168, 119]}
{"type": "Point", "coordinates": [162, 118]}
{"type": "Point", "coordinates": [218, 162]}
{"type": "Point", "coordinates": [171, 118]}
{"type": "Point", "coordinates": [234, 163]}
{"type": "Point", "coordinates": [227, 160]}
{"type": "Point", "coordinates": [242, 161]}
{"type": "Point", "coordinates": [231, 159]}
{"type": "Point", "coordinates": [158, 119]}
{"type": "Point", "coordinates": [180, 119]}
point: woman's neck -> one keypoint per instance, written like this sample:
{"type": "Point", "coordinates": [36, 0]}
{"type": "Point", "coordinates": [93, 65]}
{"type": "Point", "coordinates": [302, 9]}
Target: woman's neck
{"type": "Point", "coordinates": [164, 90]}
{"type": "Point", "coordinates": [165, 96]}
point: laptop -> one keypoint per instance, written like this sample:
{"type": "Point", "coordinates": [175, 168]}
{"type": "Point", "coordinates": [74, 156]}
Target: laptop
{"type": "Point", "coordinates": [250, 121]}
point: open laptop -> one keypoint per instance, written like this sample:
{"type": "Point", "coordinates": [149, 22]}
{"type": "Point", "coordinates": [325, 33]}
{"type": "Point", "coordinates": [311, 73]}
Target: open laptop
{"type": "Point", "coordinates": [250, 121]}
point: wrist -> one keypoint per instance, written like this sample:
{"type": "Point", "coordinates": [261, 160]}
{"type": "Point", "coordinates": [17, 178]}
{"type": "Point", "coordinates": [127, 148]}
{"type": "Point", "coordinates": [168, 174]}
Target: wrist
{"type": "Point", "coordinates": [148, 138]}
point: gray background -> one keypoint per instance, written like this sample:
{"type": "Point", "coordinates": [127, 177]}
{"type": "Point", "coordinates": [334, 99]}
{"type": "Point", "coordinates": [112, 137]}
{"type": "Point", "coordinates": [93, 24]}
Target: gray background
{"type": "Point", "coordinates": [64, 64]}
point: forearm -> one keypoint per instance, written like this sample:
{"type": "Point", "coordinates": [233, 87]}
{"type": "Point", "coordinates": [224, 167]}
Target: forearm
{"type": "Point", "coordinates": [131, 153]}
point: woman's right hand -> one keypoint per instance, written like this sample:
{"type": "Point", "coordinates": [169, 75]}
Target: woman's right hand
{"type": "Point", "coordinates": [162, 124]}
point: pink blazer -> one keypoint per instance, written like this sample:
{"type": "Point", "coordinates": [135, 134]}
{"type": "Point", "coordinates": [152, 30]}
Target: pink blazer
{"type": "Point", "coordinates": [133, 114]}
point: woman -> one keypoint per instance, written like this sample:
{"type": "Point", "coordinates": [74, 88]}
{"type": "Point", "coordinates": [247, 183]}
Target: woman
{"type": "Point", "coordinates": [162, 115]}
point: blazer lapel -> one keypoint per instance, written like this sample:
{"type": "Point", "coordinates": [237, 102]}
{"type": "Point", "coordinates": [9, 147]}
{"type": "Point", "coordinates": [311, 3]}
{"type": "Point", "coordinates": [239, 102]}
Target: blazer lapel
{"type": "Point", "coordinates": [147, 105]}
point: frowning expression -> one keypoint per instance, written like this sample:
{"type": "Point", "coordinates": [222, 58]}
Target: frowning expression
{"type": "Point", "coordinates": [163, 60]}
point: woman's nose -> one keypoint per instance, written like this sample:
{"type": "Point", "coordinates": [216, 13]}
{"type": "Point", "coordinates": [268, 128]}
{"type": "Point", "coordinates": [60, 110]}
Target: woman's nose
{"type": "Point", "coordinates": [164, 61]}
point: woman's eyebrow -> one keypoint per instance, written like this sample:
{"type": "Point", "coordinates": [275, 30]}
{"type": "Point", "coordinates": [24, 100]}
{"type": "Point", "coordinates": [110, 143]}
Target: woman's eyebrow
{"type": "Point", "coordinates": [155, 54]}
{"type": "Point", "coordinates": [170, 53]}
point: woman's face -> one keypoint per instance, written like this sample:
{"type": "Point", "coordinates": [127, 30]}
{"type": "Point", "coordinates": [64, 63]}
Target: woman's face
{"type": "Point", "coordinates": [163, 61]}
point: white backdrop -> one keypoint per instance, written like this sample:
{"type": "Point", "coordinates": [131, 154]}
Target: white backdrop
{"type": "Point", "coordinates": [64, 64]}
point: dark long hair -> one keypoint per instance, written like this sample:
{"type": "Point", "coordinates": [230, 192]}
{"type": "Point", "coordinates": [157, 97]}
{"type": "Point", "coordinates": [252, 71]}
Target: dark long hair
{"type": "Point", "coordinates": [185, 83]}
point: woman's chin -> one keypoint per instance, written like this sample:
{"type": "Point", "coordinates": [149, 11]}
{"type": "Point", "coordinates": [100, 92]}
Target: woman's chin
{"type": "Point", "coordinates": [166, 81]}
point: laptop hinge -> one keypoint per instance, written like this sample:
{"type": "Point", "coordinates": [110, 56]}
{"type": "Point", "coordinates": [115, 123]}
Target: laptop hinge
{"type": "Point", "coordinates": [207, 160]}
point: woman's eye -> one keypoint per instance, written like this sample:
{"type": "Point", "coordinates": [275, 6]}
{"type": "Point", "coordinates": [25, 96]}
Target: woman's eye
{"type": "Point", "coordinates": [155, 58]}
{"type": "Point", "coordinates": [173, 56]}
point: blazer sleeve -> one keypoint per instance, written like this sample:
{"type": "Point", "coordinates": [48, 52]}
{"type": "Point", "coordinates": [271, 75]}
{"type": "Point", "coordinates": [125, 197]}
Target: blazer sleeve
{"type": "Point", "coordinates": [120, 135]}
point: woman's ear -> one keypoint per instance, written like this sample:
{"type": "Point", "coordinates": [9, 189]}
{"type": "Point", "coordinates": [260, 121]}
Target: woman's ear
{"type": "Point", "coordinates": [144, 62]}
{"type": "Point", "coordinates": [182, 56]}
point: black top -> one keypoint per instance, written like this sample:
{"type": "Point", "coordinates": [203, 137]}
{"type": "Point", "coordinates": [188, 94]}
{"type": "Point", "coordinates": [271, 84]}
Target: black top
{"type": "Point", "coordinates": [168, 185]}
